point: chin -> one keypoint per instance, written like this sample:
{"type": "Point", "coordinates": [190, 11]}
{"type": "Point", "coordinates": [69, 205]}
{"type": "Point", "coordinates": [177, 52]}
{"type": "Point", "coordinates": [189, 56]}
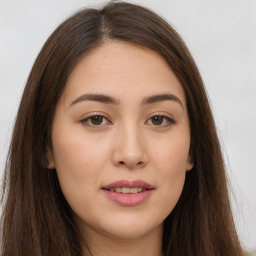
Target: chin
{"type": "Point", "coordinates": [131, 229]}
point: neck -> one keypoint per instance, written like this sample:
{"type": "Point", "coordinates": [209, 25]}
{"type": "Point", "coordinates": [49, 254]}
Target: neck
{"type": "Point", "coordinates": [104, 245]}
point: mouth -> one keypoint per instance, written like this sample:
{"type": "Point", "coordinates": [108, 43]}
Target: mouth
{"type": "Point", "coordinates": [126, 190]}
{"type": "Point", "coordinates": [128, 193]}
{"type": "Point", "coordinates": [128, 186]}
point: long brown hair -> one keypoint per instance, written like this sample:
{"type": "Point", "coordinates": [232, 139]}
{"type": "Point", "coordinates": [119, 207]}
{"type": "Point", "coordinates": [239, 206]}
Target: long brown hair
{"type": "Point", "coordinates": [36, 218]}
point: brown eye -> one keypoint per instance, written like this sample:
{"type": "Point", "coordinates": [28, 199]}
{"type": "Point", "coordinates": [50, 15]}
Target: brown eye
{"type": "Point", "coordinates": [157, 120]}
{"type": "Point", "coordinates": [161, 121]}
{"type": "Point", "coordinates": [96, 120]}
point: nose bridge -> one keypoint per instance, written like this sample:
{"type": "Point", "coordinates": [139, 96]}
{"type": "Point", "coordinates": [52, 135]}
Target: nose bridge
{"type": "Point", "coordinates": [132, 139]}
{"type": "Point", "coordinates": [130, 148]}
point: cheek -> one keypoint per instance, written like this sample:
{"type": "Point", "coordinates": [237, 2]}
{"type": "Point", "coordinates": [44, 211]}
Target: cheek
{"type": "Point", "coordinates": [171, 154]}
{"type": "Point", "coordinates": [79, 163]}
{"type": "Point", "coordinates": [170, 163]}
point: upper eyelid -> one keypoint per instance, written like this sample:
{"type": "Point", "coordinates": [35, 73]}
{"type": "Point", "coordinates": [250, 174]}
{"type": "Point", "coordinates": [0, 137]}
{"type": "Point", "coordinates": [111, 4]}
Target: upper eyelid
{"type": "Point", "coordinates": [92, 114]}
{"type": "Point", "coordinates": [88, 117]}
{"type": "Point", "coordinates": [164, 114]}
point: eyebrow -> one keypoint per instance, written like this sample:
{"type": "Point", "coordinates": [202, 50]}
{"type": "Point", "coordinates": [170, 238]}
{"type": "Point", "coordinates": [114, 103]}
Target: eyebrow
{"type": "Point", "coordinates": [110, 100]}
{"type": "Point", "coordinates": [96, 97]}
{"type": "Point", "coordinates": [160, 98]}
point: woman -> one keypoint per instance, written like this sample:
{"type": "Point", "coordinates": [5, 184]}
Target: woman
{"type": "Point", "coordinates": [114, 150]}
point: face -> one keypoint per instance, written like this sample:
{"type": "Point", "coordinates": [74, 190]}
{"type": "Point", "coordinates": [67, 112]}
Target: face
{"type": "Point", "coordinates": [121, 141]}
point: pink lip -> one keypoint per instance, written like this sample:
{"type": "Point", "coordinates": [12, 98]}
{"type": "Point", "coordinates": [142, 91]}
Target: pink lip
{"type": "Point", "coordinates": [128, 199]}
{"type": "Point", "coordinates": [129, 184]}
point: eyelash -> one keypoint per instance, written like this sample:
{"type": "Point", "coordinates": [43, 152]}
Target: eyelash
{"type": "Point", "coordinates": [85, 121]}
{"type": "Point", "coordinates": [88, 119]}
{"type": "Point", "coordinates": [169, 121]}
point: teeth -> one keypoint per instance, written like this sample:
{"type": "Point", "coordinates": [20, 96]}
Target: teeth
{"type": "Point", "coordinates": [119, 190]}
{"type": "Point", "coordinates": [125, 190]}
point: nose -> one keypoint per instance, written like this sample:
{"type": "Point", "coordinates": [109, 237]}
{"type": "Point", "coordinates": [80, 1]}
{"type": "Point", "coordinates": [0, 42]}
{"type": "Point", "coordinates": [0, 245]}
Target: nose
{"type": "Point", "coordinates": [129, 149]}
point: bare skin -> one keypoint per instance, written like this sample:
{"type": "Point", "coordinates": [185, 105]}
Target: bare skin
{"type": "Point", "coordinates": [122, 116]}
{"type": "Point", "coordinates": [102, 245]}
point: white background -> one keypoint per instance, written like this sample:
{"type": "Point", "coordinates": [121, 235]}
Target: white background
{"type": "Point", "coordinates": [221, 35]}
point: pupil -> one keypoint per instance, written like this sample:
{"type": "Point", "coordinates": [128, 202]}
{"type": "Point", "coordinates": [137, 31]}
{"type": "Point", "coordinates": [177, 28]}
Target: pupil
{"type": "Point", "coordinates": [96, 120]}
{"type": "Point", "coordinates": [157, 120]}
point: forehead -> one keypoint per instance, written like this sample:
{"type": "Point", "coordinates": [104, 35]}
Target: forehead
{"type": "Point", "coordinates": [122, 69]}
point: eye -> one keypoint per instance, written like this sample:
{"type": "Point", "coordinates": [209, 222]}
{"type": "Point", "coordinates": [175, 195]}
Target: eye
{"type": "Point", "coordinates": [160, 120]}
{"type": "Point", "coordinates": [95, 120]}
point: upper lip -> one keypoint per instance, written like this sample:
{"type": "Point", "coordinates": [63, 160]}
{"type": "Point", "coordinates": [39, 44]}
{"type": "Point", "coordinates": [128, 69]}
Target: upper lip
{"type": "Point", "coordinates": [129, 184]}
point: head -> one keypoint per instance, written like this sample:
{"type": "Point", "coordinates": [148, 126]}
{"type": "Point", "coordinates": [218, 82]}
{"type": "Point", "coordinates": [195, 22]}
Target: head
{"type": "Point", "coordinates": [70, 55]}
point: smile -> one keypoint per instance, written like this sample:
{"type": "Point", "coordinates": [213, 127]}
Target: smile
{"type": "Point", "coordinates": [128, 193]}
{"type": "Point", "coordinates": [126, 190]}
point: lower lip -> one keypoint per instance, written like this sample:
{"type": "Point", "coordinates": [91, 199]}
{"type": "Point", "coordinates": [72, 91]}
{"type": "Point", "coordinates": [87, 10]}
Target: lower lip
{"type": "Point", "coordinates": [128, 199]}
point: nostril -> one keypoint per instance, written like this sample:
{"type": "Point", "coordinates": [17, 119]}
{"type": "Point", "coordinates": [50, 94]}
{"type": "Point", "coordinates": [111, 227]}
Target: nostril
{"type": "Point", "coordinates": [140, 163]}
